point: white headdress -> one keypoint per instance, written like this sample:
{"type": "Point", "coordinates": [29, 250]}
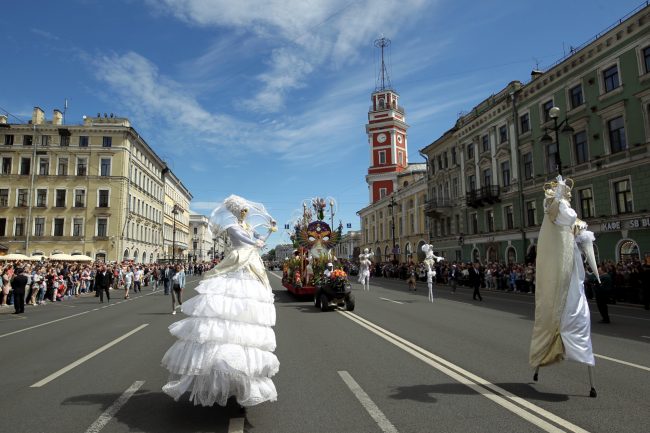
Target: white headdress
{"type": "Point", "coordinates": [227, 213]}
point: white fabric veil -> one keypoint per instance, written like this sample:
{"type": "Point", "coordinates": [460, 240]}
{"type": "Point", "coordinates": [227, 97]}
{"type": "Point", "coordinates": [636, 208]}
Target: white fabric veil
{"type": "Point", "coordinates": [226, 215]}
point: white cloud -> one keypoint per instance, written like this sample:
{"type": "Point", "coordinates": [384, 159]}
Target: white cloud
{"type": "Point", "coordinates": [303, 35]}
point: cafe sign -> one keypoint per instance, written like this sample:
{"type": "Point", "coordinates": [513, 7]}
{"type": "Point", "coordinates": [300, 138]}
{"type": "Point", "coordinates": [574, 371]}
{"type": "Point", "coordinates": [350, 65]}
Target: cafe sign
{"type": "Point", "coordinates": [637, 223]}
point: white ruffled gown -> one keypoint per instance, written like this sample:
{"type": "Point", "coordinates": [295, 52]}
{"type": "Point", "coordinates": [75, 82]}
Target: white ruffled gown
{"type": "Point", "coordinates": [225, 346]}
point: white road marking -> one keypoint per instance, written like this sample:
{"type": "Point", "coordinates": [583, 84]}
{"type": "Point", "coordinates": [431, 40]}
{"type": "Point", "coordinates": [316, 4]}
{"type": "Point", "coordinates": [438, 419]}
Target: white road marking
{"type": "Point", "coordinates": [279, 277]}
{"type": "Point", "coordinates": [367, 403]}
{"type": "Point", "coordinates": [641, 367]}
{"type": "Point", "coordinates": [630, 317]}
{"type": "Point", "coordinates": [645, 336]}
{"type": "Point", "coordinates": [109, 413]}
{"type": "Point", "coordinates": [390, 300]}
{"type": "Point", "coordinates": [62, 318]}
{"type": "Point", "coordinates": [490, 391]}
{"type": "Point", "coordinates": [80, 361]}
{"type": "Point", "coordinates": [236, 425]}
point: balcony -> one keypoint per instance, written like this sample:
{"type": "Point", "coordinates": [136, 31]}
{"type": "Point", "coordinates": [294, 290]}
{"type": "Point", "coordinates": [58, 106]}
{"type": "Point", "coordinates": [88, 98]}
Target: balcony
{"type": "Point", "coordinates": [435, 207]}
{"type": "Point", "coordinates": [483, 196]}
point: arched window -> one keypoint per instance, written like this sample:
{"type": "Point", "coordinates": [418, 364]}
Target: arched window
{"type": "Point", "coordinates": [476, 255]}
{"type": "Point", "coordinates": [407, 250]}
{"type": "Point", "coordinates": [628, 250]}
{"type": "Point", "coordinates": [125, 255]}
{"type": "Point", "coordinates": [421, 254]}
{"type": "Point", "coordinates": [492, 255]}
{"type": "Point", "coordinates": [511, 254]}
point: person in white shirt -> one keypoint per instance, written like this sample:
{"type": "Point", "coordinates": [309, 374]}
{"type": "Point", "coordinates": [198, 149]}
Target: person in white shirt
{"type": "Point", "coordinates": [328, 270]}
{"type": "Point", "coordinates": [137, 280]}
{"type": "Point", "coordinates": [128, 280]}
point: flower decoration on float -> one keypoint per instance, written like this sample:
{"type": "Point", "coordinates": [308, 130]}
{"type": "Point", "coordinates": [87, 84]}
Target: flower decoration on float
{"type": "Point", "coordinates": [338, 274]}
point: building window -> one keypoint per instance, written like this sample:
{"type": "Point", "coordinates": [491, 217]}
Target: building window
{"type": "Point", "coordinates": [575, 96]}
{"type": "Point", "coordinates": [474, 218]}
{"type": "Point", "coordinates": [551, 158]}
{"type": "Point", "coordinates": [60, 198]}
{"type": "Point", "coordinates": [102, 227]}
{"type": "Point", "coordinates": [62, 167]}
{"type": "Point", "coordinates": [439, 162]}
{"type": "Point", "coordinates": [4, 197]}
{"type": "Point", "coordinates": [546, 108]}
{"type": "Point", "coordinates": [383, 192]}
{"type": "Point", "coordinates": [646, 59]}
{"type": "Point", "coordinates": [105, 167]}
{"type": "Point", "coordinates": [39, 226]}
{"type": "Point", "coordinates": [505, 173]}
{"type": "Point", "coordinates": [58, 226]}
{"type": "Point", "coordinates": [470, 151]}
{"type": "Point", "coordinates": [531, 213]}
{"type": "Point", "coordinates": [524, 123]}
{"type": "Point", "coordinates": [489, 220]}
{"type": "Point", "coordinates": [6, 165]}
{"type": "Point", "coordinates": [9, 140]}
{"type": "Point", "coordinates": [510, 218]}
{"type": "Point", "coordinates": [503, 134]}
{"type": "Point", "coordinates": [616, 128]}
{"type": "Point", "coordinates": [485, 143]}
{"type": "Point", "coordinates": [20, 227]}
{"type": "Point", "coordinates": [487, 177]}
{"type": "Point", "coordinates": [25, 165]}
{"type": "Point", "coordinates": [610, 78]}
{"type": "Point", "coordinates": [382, 157]}
{"type": "Point", "coordinates": [107, 141]}
{"type": "Point", "coordinates": [453, 155]}
{"type": "Point", "coordinates": [103, 198]}
{"type": "Point", "coordinates": [528, 165]}
{"type": "Point", "coordinates": [586, 203]}
{"type": "Point", "coordinates": [581, 147]}
{"type": "Point", "coordinates": [44, 166]}
{"type": "Point", "coordinates": [45, 140]}
{"type": "Point", "coordinates": [445, 161]}
{"type": "Point", "coordinates": [623, 195]}
{"type": "Point", "coordinates": [28, 140]}
{"type": "Point", "coordinates": [401, 158]}
{"type": "Point", "coordinates": [471, 182]}
{"type": "Point", "coordinates": [3, 226]}
{"type": "Point", "coordinates": [454, 187]}
{"type": "Point", "coordinates": [80, 198]}
{"type": "Point", "coordinates": [41, 198]}
{"type": "Point", "coordinates": [77, 227]}
{"type": "Point", "coordinates": [65, 140]}
{"type": "Point", "coordinates": [21, 198]}
{"type": "Point", "coordinates": [82, 166]}
{"type": "Point", "coordinates": [83, 141]}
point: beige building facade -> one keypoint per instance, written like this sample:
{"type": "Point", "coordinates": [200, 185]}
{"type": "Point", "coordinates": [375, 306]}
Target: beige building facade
{"type": "Point", "coordinates": [95, 188]}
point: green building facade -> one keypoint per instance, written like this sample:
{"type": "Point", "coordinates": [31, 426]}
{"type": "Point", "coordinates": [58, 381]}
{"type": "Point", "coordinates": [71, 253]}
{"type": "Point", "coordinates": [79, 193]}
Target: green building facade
{"type": "Point", "coordinates": [486, 174]}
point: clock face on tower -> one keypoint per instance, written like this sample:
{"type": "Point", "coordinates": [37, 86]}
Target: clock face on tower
{"type": "Point", "coordinates": [381, 138]}
{"type": "Point", "coordinates": [399, 138]}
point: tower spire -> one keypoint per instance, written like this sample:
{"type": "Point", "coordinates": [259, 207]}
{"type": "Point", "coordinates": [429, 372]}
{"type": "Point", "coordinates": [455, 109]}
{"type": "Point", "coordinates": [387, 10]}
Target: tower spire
{"type": "Point", "coordinates": [383, 79]}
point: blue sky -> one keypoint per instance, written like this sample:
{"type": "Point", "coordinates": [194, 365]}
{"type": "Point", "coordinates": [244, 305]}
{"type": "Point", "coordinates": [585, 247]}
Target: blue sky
{"type": "Point", "coordinates": [268, 99]}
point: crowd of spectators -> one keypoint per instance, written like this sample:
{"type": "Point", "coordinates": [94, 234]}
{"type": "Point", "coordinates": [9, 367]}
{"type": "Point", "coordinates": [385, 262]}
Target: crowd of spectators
{"type": "Point", "coordinates": [50, 282]}
{"type": "Point", "coordinates": [630, 280]}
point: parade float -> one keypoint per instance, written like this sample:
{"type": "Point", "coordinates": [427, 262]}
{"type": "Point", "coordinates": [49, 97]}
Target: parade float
{"type": "Point", "coordinates": [314, 240]}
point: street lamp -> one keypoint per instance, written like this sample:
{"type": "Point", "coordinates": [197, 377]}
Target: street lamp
{"type": "Point", "coordinates": [175, 210]}
{"type": "Point", "coordinates": [392, 226]}
{"type": "Point", "coordinates": [546, 139]}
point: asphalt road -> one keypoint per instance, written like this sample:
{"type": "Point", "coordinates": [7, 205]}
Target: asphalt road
{"type": "Point", "coordinates": [398, 363]}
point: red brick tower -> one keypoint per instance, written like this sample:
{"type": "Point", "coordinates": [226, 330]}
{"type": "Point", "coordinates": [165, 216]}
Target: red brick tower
{"type": "Point", "coordinates": [386, 131]}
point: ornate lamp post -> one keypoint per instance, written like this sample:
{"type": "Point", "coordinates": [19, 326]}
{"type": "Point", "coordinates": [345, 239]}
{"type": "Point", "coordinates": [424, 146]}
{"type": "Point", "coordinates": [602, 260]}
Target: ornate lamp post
{"type": "Point", "coordinates": [546, 140]}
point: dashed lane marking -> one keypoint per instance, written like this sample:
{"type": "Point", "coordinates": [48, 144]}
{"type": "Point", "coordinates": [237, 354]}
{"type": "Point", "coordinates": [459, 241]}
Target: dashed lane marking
{"type": "Point", "coordinates": [236, 425]}
{"type": "Point", "coordinates": [390, 300]}
{"type": "Point", "coordinates": [109, 413]}
{"type": "Point", "coordinates": [80, 361]}
{"type": "Point", "coordinates": [384, 424]}
{"type": "Point", "coordinates": [629, 364]}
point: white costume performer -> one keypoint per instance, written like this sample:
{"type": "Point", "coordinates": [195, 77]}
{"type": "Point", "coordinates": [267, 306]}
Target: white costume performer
{"type": "Point", "coordinates": [562, 321]}
{"type": "Point", "coordinates": [430, 260]}
{"type": "Point", "coordinates": [364, 268]}
{"type": "Point", "coordinates": [225, 346]}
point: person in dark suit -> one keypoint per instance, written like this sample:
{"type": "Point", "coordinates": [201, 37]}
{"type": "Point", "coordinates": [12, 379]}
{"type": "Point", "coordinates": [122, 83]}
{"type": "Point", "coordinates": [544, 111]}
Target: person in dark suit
{"type": "Point", "coordinates": [475, 281]}
{"type": "Point", "coordinates": [103, 281]}
{"type": "Point", "coordinates": [18, 284]}
{"type": "Point", "coordinates": [602, 292]}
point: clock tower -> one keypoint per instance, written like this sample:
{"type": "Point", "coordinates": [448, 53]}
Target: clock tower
{"type": "Point", "coordinates": [386, 129]}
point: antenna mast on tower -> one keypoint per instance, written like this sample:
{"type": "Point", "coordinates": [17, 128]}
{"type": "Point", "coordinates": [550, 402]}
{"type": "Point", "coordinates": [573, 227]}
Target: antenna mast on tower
{"type": "Point", "coordinates": [383, 79]}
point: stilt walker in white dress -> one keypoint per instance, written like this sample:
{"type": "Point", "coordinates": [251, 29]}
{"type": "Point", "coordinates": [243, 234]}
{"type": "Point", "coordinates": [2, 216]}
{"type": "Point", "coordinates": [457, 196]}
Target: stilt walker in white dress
{"type": "Point", "coordinates": [562, 327]}
{"type": "Point", "coordinates": [364, 268]}
{"type": "Point", "coordinates": [225, 347]}
{"type": "Point", "coordinates": [430, 260]}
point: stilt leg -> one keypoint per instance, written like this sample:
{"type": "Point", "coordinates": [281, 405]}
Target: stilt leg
{"type": "Point", "coordinates": [592, 391]}
{"type": "Point", "coordinates": [535, 376]}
